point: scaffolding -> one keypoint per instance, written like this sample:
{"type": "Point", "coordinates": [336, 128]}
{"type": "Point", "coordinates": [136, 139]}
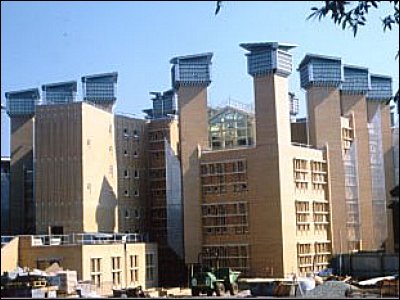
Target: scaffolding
{"type": "Point", "coordinates": [378, 179]}
{"type": "Point", "coordinates": [350, 164]}
{"type": "Point", "coordinates": [235, 256]}
{"type": "Point", "coordinates": [173, 200]}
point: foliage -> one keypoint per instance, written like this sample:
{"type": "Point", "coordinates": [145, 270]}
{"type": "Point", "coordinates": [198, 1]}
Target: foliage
{"type": "Point", "coordinates": [356, 16]}
{"type": "Point", "coordinates": [219, 5]}
{"type": "Point", "coordinates": [353, 17]}
{"type": "Point", "coordinates": [349, 14]}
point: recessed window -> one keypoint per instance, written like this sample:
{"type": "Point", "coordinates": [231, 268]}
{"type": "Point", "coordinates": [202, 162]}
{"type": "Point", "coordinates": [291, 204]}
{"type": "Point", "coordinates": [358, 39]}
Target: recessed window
{"type": "Point", "coordinates": [135, 154]}
{"type": "Point", "coordinates": [126, 193]}
{"type": "Point", "coordinates": [125, 131]}
{"type": "Point", "coordinates": [126, 174]}
{"type": "Point", "coordinates": [125, 152]}
{"type": "Point", "coordinates": [136, 193]}
{"type": "Point", "coordinates": [136, 174]}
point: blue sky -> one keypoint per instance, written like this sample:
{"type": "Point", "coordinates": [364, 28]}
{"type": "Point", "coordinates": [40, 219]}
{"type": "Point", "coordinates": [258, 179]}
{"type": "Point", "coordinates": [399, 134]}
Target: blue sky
{"type": "Point", "coordinates": [45, 42]}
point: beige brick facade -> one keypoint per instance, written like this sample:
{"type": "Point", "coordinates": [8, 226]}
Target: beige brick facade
{"type": "Point", "coordinates": [270, 209]}
{"type": "Point", "coordinates": [76, 167]}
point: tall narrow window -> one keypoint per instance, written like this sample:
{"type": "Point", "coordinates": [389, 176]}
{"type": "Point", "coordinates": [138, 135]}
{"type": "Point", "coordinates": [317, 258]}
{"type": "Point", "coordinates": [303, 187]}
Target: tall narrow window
{"type": "Point", "coordinates": [95, 271]}
{"type": "Point", "coordinates": [116, 270]}
{"type": "Point", "coordinates": [150, 266]}
{"type": "Point", "coordinates": [134, 269]}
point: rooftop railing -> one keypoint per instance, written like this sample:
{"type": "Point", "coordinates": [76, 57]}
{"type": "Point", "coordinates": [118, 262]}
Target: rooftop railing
{"type": "Point", "coordinates": [86, 239]}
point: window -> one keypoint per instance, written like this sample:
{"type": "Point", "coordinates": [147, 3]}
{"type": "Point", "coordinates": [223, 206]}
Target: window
{"type": "Point", "coordinates": [302, 216]}
{"type": "Point", "coordinates": [220, 168]}
{"type": "Point", "coordinates": [150, 266]}
{"type": "Point", "coordinates": [125, 132]}
{"type": "Point", "coordinates": [220, 219]}
{"type": "Point", "coordinates": [125, 153]}
{"type": "Point", "coordinates": [126, 173]}
{"type": "Point", "coordinates": [211, 170]}
{"type": "Point", "coordinates": [134, 269]}
{"type": "Point", "coordinates": [203, 169]}
{"type": "Point", "coordinates": [240, 166]}
{"type": "Point", "coordinates": [116, 270]}
{"type": "Point", "coordinates": [136, 193]}
{"type": "Point", "coordinates": [135, 154]}
{"type": "Point", "coordinates": [95, 271]}
{"type": "Point", "coordinates": [136, 174]}
{"type": "Point", "coordinates": [126, 193]}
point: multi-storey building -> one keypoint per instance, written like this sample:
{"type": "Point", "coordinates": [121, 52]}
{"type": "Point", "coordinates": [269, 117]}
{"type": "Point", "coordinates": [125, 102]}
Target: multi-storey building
{"type": "Point", "coordinates": [76, 169]}
{"type": "Point", "coordinates": [262, 209]}
{"type": "Point", "coordinates": [130, 141]}
{"type": "Point", "coordinates": [164, 188]}
{"type": "Point", "coordinates": [256, 192]}
{"type": "Point", "coordinates": [347, 111]}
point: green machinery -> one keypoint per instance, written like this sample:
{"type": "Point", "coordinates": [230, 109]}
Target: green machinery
{"type": "Point", "coordinates": [208, 280]}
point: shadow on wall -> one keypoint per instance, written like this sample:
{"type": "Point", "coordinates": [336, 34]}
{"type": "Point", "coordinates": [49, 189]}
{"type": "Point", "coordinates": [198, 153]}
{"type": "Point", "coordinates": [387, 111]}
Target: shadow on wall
{"type": "Point", "coordinates": [22, 208]}
{"type": "Point", "coordinates": [106, 208]}
{"type": "Point", "coordinates": [393, 206]}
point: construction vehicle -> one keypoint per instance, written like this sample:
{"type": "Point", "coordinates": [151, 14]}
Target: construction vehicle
{"type": "Point", "coordinates": [208, 280]}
